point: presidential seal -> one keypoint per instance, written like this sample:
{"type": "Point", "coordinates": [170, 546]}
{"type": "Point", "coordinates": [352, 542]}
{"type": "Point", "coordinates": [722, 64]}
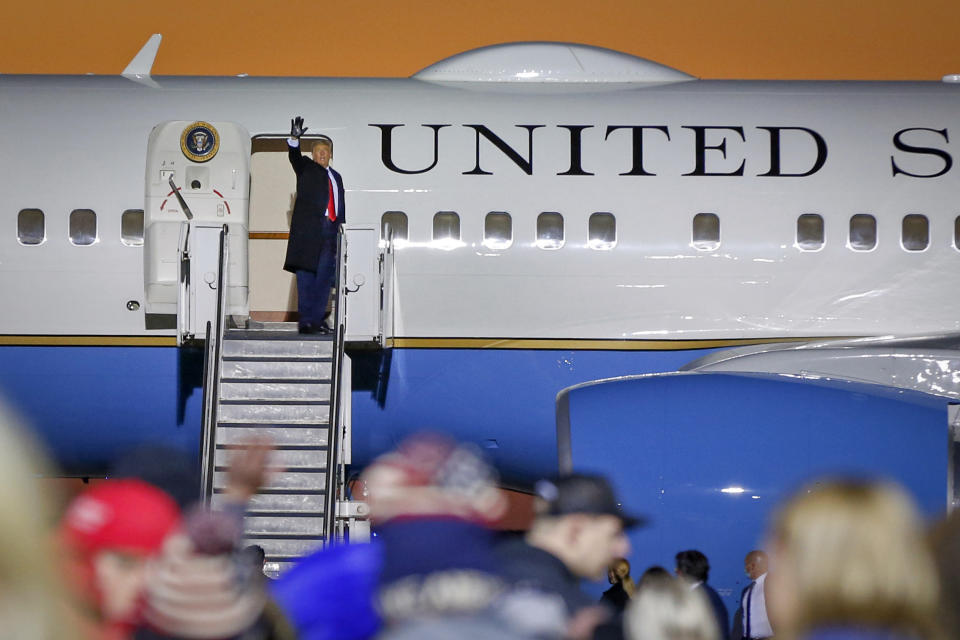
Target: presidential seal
{"type": "Point", "coordinates": [200, 141]}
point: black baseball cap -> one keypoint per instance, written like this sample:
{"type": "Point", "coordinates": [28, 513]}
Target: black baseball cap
{"type": "Point", "coordinates": [583, 493]}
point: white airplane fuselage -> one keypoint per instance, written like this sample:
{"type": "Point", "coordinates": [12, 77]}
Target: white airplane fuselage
{"type": "Point", "coordinates": [707, 147]}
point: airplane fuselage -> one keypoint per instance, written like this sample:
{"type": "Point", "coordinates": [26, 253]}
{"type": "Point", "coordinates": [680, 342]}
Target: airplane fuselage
{"type": "Point", "coordinates": [755, 155]}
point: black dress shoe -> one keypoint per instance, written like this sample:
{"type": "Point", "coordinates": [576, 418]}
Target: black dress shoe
{"type": "Point", "coordinates": [306, 328]}
{"type": "Point", "coordinates": [324, 330]}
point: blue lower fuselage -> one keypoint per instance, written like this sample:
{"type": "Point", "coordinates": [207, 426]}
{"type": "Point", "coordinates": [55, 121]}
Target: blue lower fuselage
{"type": "Point", "coordinates": [90, 404]}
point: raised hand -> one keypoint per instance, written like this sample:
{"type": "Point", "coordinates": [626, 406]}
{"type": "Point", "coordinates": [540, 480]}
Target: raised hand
{"type": "Point", "coordinates": [296, 127]}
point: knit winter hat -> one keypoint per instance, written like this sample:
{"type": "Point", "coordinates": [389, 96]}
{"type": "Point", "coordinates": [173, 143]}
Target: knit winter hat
{"type": "Point", "coordinates": [430, 475]}
{"type": "Point", "coordinates": [191, 594]}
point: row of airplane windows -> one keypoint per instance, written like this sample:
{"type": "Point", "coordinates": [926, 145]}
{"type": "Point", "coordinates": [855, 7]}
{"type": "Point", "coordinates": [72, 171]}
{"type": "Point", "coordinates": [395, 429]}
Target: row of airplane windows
{"type": "Point", "coordinates": [550, 232]}
{"type": "Point", "coordinates": [31, 227]}
{"type": "Point", "coordinates": [705, 230]}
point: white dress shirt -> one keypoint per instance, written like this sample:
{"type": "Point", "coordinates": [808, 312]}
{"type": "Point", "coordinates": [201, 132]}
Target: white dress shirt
{"type": "Point", "coordinates": [295, 143]}
{"type": "Point", "coordinates": [755, 621]}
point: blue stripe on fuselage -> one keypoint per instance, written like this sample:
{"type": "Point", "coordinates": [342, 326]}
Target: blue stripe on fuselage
{"type": "Point", "coordinates": [484, 395]}
{"type": "Point", "coordinates": [89, 404]}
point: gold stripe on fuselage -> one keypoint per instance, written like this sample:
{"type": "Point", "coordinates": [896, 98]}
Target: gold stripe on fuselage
{"type": "Point", "coordinates": [580, 344]}
{"type": "Point", "coordinates": [537, 344]}
{"type": "Point", "coordinates": [88, 341]}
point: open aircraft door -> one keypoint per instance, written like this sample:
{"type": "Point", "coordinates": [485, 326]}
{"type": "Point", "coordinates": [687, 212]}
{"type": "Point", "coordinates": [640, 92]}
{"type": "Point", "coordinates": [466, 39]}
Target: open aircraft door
{"type": "Point", "coordinates": [197, 176]}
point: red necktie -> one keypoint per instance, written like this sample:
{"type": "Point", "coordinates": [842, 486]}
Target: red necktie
{"type": "Point", "coordinates": [331, 203]}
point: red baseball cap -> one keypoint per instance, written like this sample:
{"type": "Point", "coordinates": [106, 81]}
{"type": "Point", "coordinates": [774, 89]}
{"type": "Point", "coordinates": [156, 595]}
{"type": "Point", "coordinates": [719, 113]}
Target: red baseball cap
{"type": "Point", "coordinates": [120, 515]}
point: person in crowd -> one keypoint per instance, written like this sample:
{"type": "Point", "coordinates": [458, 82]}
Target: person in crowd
{"type": "Point", "coordinates": [109, 533]}
{"type": "Point", "coordinates": [32, 601]}
{"type": "Point", "coordinates": [318, 213]}
{"type": "Point", "coordinates": [666, 609]}
{"type": "Point", "coordinates": [430, 571]}
{"type": "Point", "coordinates": [432, 501]}
{"type": "Point", "coordinates": [578, 529]}
{"type": "Point", "coordinates": [750, 622]}
{"type": "Point", "coordinates": [195, 589]}
{"type": "Point", "coordinates": [850, 562]}
{"type": "Point", "coordinates": [619, 594]}
{"type": "Point", "coordinates": [255, 555]}
{"type": "Point", "coordinates": [693, 567]}
{"type": "Point", "coordinates": [171, 469]}
{"type": "Point", "coordinates": [329, 594]}
{"type": "Point", "coordinates": [200, 585]}
{"type": "Point", "coordinates": [654, 573]}
{"type": "Point", "coordinates": [945, 544]}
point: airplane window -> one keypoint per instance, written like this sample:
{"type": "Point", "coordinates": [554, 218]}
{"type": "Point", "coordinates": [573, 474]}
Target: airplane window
{"type": "Point", "coordinates": [83, 227]}
{"type": "Point", "coordinates": [550, 230]}
{"type": "Point", "coordinates": [810, 231]}
{"type": "Point", "coordinates": [863, 232]}
{"type": "Point", "coordinates": [706, 231]}
{"type": "Point", "coordinates": [602, 231]}
{"type": "Point", "coordinates": [446, 226]}
{"type": "Point", "coordinates": [497, 230]}
{"type": "Point", "coordinates": [915, 232]}
{"type": "Point", "coordinates": [30, 227]}
{"type": "Point", "coordinates": [396, 222]}
{"type": "Point", "coordinates": [131, 227]}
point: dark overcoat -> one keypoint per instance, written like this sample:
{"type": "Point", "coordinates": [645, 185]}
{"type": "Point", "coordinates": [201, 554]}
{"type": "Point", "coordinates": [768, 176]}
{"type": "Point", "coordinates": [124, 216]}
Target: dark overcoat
{"type": "Point", "coordinates": [310, 229]}
{"type": "Point", "coordinates": [719, 609]}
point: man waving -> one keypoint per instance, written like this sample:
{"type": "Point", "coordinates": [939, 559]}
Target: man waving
{"type": "Point", "coordinates": [318, 212]}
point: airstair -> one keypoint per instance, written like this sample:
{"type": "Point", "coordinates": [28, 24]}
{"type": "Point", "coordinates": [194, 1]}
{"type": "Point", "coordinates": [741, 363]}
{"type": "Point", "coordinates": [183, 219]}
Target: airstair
{"type": "Point", "coordinates": [267, 382]}
{"type": "Point", "coordinates": [277, 386]}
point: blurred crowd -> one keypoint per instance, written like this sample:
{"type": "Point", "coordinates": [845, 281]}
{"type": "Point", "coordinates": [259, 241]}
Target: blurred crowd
{"type": "Point", "coordinates": [136, 557]}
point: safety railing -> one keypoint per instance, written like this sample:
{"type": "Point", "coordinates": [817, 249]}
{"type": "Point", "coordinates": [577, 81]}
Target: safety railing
{"type": "Point", "coordinates": [387, 287]}
{"type": "Point", "coordinates": [334, 471]}
{"type": "Point", "coordinates": [211, 373]}
{"type": "Point", "coordinates": [183, 291]}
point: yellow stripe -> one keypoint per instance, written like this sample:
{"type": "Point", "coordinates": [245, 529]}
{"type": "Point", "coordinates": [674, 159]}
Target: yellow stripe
{"type": "Point", "coordinates": [269, 235]}
{"type": "Point", "coordinates": [430, 343]}
{"type": "Point", "coordinates": [583, 345]}
{"type": "Point", "coordinates": [89, 341]}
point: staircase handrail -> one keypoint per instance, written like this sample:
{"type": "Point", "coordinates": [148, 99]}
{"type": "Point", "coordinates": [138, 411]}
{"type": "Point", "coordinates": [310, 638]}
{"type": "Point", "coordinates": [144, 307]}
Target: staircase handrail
{"type": "Point", "coordinates": [332, 488]}
{"type": "Point", "coordinates": [212, 367]}
{"type": "Point", "coordinates": [387, 270]}
{"type": "Point", "coordinates": [183, 285]}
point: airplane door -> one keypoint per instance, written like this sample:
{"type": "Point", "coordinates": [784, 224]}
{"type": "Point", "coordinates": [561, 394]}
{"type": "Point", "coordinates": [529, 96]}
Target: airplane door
{"type": "Point", "coordinates": [273, 190]}
{"type": "Point", "coordinates": [209, 163]}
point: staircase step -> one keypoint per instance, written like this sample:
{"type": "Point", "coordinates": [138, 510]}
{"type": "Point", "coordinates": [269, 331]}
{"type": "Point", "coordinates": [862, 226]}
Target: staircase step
{"type": "Point", "coordinates": [279, 435]}
{"type": "Point", "coordinates": [293, 481]}
{"type": "Point", "coordinates": [273, 414]}
{"type": "Point", "coordinates": [282, 459]}
{"type": "Point", "coordinates": [275, 569]}
{"type": "Point", "coordinates": [278, 549]}
{"type": "Point", "coordinates": [262, 503]}
{"type": "Point", "coordinates": [311, 370]}
{"type": "Point", "coordinates": [274, 331]}
{"type": "Point", "coordinates": [283, 526]}
{"type": "Point", "coordinates": [267, 325]}
{"type": "Point", "coordinates": [264, 391]}
{"type": "Point", "coordinates": [292, 349]}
